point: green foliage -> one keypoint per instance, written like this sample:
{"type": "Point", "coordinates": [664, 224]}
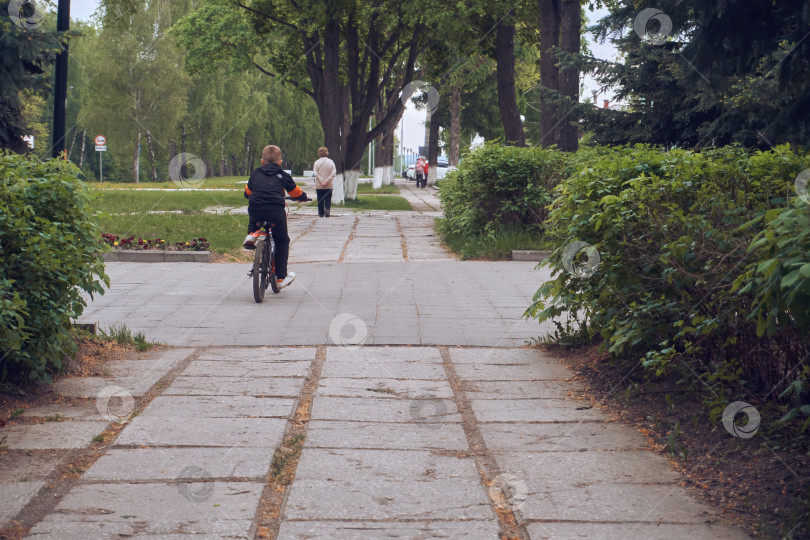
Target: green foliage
{"type": "Point", "coordinates": [704, 85]}
{"type": "Point", "coordinates": [51, 251]}
{"type": "Point", "coordinates": [498, 186]}
{"type": "Point", "coordinates": [496, 245]}
{"type": "Point", "coordinates": [702, 267]}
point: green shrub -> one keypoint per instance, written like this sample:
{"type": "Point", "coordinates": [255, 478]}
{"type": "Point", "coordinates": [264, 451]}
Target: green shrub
{"type": "Point", "coordinates": [703, 263]}
{"type": "Point", "coordinates": [51, 250]}
{"type": "Point", "coordinates": [501, 186]}
{"type": "Point", "coordinates": [497, 199]}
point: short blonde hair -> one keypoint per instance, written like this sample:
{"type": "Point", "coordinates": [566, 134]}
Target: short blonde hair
{"type": "Point", "coordinates": [271, 154]}
{"type": "Point", "coordinates": [323, 151]}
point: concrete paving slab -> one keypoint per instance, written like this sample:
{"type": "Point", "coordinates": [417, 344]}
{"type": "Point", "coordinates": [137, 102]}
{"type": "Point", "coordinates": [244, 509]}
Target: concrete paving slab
{"type": "Point", "coordinates": [384, 370]}
{"type": "Point", "coordinates": [377, 435]}
{"type": "Point", "coordinates": [218, 308]}
{"type": "Point", "coordinates": [229, 432]}
{"type": "Point", "coordinates": [383, 388]}
{"type": "Point", "coordinates": [554, 470]}
{"type": "Point", "coordinates": [632, 531]}
{"type": "Point", "coordinates": [24, 467]}
{"type": "Point", "coordinates": [162, 464]}
{"type": "Point", "coordinates": [219, 407]}
{"type": "Point", "coordinates": [615, 502]}
{"type": "Point", "coordinates": [529, 372]}
{"type": "Point", "coordinates": [73, 411]}
{"type": "Point", "coordinates": [373, 500]}
{"type": "Point", "coordinates": [535, 410]}
{"type": "Point", "coordinates": [427, 410]}
{"type": "Point", "coordinates": [554, 437]}
{"type": "Point", "coordinates": [258, 354]}
{"type": "Point", "coordinates": [236, 368]}
{"type": "Point", "coordinates": [53, 529]}
{"type": "Point", "coordinates": [383, 465]}
{"type": "Point", "coordinates": [67, 434]}
{"type": "Point", "coordinates": [519, 389]}
{"type": "Point", "coordinates": [14, 497]}
{"type": "Point", "coordinates": [375, 530]}
{"type": "Point", "coordinates": [156, 508]}
{"type": "Point", "coordinates": [383, 354]}
{"type": "Point", "coordinates": [235, 386]}
{"type": "Point", "coordinates": [501, 356]}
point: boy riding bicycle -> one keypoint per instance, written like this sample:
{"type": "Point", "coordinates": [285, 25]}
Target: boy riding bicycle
{"type": "Point", "coordinates": [265, 193]}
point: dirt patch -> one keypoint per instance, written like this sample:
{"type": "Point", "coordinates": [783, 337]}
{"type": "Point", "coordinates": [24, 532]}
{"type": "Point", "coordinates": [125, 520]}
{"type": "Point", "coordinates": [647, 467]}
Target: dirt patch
{"type": "Point", "coordinates": [241, 257]}
{"type": "Point", "coordinates": [90, 361]}
{"type": "Point", "coordinates": [758, 484]}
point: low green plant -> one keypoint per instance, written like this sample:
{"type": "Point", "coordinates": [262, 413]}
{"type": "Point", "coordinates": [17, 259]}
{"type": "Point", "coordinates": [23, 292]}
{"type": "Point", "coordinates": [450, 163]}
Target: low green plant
{"type": "Point", "coordinates": [140, 342]}
{"type": "Point", "coordinates": [121, 334]}
{"type": "Point", "coordinates": [51, 251]}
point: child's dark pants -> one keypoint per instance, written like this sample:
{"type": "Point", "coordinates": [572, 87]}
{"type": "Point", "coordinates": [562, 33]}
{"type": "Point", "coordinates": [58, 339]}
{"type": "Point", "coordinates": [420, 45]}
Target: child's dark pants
{"type": "Point", "coordinates": [278, 217]}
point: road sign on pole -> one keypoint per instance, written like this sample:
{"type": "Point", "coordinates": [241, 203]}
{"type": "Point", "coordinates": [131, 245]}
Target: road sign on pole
{"type": "Point", "coordinates": [101, 140]}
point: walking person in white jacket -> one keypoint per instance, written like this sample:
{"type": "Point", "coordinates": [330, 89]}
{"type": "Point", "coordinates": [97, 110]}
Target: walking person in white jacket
{"type": "Point", "coordinates": [325, 171]}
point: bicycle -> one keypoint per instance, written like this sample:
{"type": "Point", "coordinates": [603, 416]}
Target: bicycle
{"type": "Point", "coordinates": [263, 271]}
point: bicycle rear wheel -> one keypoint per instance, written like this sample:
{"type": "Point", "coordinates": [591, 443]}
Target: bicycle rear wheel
{"type": "Point", "coordinates": [272, 273]}
{"type": "Point", "coordinates": [259, 272]}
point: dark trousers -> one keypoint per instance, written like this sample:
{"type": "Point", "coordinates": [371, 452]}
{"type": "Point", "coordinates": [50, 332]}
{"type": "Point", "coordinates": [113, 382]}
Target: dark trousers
{"type": "Point", "coordinates": [278, 218]}
{"type": "Point", "coordinates": [324, 201]}
{"type": "Point", "coordinates": [420, 179]}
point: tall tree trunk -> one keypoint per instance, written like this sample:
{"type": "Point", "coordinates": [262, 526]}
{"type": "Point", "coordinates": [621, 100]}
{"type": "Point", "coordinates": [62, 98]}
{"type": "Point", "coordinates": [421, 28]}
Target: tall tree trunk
{"type": "Point", "coordinates": [379, 150]}
{"type": "Point", "coordinates": [433, 147]}
{"type": "Point", "coordinates": [135, 157]}
{"type": "Point", "coordinates": [571, 23]}
{"type": "Point", "coordinates": [152, 159]}
{"type": "Point", "coordinates": [234, 170]}
{"type": "Point", "coordinates": [81, 156]}
{"type": "Point", "coordinates": [507, 99]}
{"type": "Point", "coordinates": [183, 171]}
{"type": "Point", "coordinates": [172, 148]}
{"type": "Point", "coordinates": [72, 142]}
{"type": "Point", "coordinates": [388, 158]}
{"type": "Point", "coordinates": [206, 156]}
{"type": "Point", "coordinates": [549, 72]}
{"type": "Point", "coordinates": [455, 125]}
{"type": "Point", "coordinates": [246, 163]}
{"type": "Point", "coordinates": [223, 162]}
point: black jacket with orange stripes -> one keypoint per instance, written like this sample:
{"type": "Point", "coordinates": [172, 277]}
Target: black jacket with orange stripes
{"type": "Point", "coordinates": [266, 186]}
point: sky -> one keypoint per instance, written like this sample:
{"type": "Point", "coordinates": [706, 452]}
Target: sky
{"type": "Point", "coordinates": [412, 125]}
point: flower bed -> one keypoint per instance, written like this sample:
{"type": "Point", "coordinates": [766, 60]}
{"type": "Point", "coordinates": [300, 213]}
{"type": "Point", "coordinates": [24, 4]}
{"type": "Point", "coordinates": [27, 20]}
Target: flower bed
{"type": "Point", "coordinates": [114, 241]}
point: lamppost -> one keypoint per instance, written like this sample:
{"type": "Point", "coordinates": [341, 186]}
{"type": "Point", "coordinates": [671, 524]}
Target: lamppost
{"type": "Point", "coordinates": [60, 84]}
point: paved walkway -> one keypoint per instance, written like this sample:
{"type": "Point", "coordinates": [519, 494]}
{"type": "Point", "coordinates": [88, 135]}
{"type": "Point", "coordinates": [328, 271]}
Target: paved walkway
{"type": "Point", "coordinates": [383, 395]}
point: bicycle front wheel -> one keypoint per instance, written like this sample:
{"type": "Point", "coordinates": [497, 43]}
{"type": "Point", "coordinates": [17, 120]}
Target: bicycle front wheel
{"type": "Point", "coordinates": [259, 272]}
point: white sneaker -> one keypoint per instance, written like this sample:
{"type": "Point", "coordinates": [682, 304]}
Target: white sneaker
{"type": "Point", "coordinates": [249, 243]}
{"type": "Point", "coordinates": [287, 280]}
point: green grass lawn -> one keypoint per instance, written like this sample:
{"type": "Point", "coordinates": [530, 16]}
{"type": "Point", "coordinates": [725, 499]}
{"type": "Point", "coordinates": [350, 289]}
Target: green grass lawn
{"type": "Point", "coordinates": [235, 182]}
{"type": "Point", "coordinates": [367, 189]}
{"type": "Point", "coordinates": [188, 202]}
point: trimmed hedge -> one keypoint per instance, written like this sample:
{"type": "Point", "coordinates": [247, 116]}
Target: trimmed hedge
{"type": "Point", "coordinates": [498, 187]}
{"type": "Point", "coordinates": [51, 249]}
{"type": "Point", "coordinates": [704, 263]}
